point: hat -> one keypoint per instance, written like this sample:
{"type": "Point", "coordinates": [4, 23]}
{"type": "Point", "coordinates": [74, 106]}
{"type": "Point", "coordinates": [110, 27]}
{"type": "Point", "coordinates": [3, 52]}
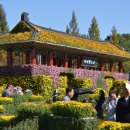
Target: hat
{"type": "Point", "coordinates": [15, 88]}
{"type": "Point", "coordinates": [127, 86]}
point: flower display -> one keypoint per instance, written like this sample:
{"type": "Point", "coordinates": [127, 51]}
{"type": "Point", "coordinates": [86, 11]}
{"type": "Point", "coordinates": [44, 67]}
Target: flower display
{"type": "Point", "coordinates": [1, 108]}
{"type": "Point", "coordinates": [47, 35]}
{"type": "Point", "coordinates": [35, 98]}
{"type": "Point", "coordinates": [5, 121]}
{"type": "Point", "coordinates": [6, 100]}
{"type": "Point", "coordinates": [73, 109]}
{"type": "Point", "coordinates": [53, 71]}
{"type": "Point", "coordinates": [109, 125]}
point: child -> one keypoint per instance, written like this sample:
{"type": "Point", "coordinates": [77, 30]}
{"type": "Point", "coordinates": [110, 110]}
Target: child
{"type": "Point", "coordinates": [110, 105]}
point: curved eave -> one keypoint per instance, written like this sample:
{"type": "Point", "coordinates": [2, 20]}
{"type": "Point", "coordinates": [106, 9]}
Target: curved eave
{"type": "Point", "coordinates": [65, 48]}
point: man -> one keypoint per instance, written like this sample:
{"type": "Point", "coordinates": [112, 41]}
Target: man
{"type": "Point", "coordinates": [8, 91]}
{"type": "Point", "coordinates": [123, 105]}
{"type": "Point", "coordinates": [69, 94]}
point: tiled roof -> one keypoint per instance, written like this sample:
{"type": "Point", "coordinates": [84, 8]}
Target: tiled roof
{"type": "Point", "coordinates": [48, 35]}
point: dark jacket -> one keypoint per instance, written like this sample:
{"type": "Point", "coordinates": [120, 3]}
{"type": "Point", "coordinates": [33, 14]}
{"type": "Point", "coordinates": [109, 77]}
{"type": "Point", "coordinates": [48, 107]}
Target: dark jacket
{"type": "Point", "coordinates": [123, 110]}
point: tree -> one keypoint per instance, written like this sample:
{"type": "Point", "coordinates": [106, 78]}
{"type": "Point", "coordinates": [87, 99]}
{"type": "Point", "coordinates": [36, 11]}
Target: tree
{"type": "Point", "coordinates": [93, 31]}
{"type": "Point", "coordinates": [73, 25]}
{"type": "Point", "coordinates": [3, 22]}
{"type": "Point", "coordinates": [67, 29]}
{"type": "Point", "coordinates": [114, 35]}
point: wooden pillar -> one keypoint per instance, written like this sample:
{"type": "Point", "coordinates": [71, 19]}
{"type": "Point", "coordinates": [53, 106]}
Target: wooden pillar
{"type": "Point", "coordinates": [66, 61]}
{"type": "Point", "coordinates": [9, 58]}
{"type": "Point", "coordinates": [23, 57]}
{"type": "Point", "coordinates": [33, 56]}
{"type": "Point", "coordinates": [111, 66]}
{"type": "Point", "coordinates": [120, 67]}
{"type": "Point", "coordinates": [79, 61]}
{"type": "Point", "coordinates": [101, 65]}
{"type": "Point", "coordinates": [51, 58]}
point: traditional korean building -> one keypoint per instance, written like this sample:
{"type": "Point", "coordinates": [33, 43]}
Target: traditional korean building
{"type": "Point", "coordinates": [28, 43]}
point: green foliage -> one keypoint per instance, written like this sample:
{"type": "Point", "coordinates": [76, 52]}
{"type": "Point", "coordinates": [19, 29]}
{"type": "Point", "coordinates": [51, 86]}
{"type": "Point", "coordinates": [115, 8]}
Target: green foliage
{"type": "Point", "coordinates": [63, 85]}
{"type": "Point", "coordinates": [6, 121]}
{"type": "Point", "coordinates": [21, 27]}
{"type": "Point", "coordinates": [3, 22]}
{"type": "Point", "coordinates": [64, 123]}
{"type": "Point", "coordinates": [47, 86]}
{"type": "Point", "coordinates": [67, 29]}
{"type": "Point", "coordinates": [93, 31]}
{"type": "Point", "coordinates": [73, 109]}
{"type": "Point", "coordinates": [118, 84]}
{"type": "Point", "coordinates": [100, 82]}
{"type": "Point", "coordinates": [109, 82]}
{"type": "Point", "coordinates": [114, 35]}
{"type": "Point", "coordinates": [6, 100]}
{"type": "Point", "coordinates": [70, 76]}
{"type": "Point", "coordinates": [81, 83]}
{"type": "Point", "coordinates": [29, 110]}
{"type": "Point", "coordinates": [28, 124]}
{"type": "Point", "coordinates": [109, 77]}
{"type": "Point", "coordinates": [73, 25]}
{"type": "Point", "coordinates": [38, 84]}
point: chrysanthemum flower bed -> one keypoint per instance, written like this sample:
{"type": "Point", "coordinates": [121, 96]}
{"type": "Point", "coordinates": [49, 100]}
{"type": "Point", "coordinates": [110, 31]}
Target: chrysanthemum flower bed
{"type": "Point", "coordinates": [109, 125]}
{"type": "Point", "coordinates": [73, 109]}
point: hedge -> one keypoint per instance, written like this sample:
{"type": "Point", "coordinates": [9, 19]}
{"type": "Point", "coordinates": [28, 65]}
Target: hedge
{"type": "Point", "coordinates": [73, 109]}
{"type": "Point", "coordinates": [81, 83]}
{"type": "Point", "coordinates": [38, 84]}
{"type": "Point", "coordinates": [65, 123]}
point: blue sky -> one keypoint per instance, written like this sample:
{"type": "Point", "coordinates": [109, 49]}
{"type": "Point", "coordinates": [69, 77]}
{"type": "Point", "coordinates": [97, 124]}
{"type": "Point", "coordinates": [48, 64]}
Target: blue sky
{"type": "Point", "coordinates": [57, 13]}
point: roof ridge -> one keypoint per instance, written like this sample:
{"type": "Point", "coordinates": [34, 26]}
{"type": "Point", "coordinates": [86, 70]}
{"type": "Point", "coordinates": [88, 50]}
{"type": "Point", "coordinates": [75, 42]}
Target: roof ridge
{"type": "Point", "coordinates": [77, 35]}
{"type": "Point", "coordinates": [68, 33]}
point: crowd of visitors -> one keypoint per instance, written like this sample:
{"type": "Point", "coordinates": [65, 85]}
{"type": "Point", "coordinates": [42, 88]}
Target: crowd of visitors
{"type": "Point", "coordinates": [115, 107]}
{"type": "Point", "coordinates": [10, 90]}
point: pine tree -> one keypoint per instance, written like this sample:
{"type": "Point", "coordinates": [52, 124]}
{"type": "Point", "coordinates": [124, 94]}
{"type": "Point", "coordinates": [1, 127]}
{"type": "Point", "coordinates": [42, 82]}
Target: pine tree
{"type": "Point", "coordinates": [67, 29]}
{"type": "Point", "coordinates": [3, 22]}
{"type": "Point", "coordinates": [114, 35]}
{"type": "Point", "coordinates": [73, 25]}
{"type": "Point", "coordinates": [93, 31]}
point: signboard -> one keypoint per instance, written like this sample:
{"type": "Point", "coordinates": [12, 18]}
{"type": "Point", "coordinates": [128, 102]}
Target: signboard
{"type": "Point", "coordinates": [87, 61]}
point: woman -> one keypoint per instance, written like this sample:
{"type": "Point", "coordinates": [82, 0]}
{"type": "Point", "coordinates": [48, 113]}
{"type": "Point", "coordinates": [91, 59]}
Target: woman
{"type": "Point", "coordinates": [110, 105]}
{"type": "Point", "coordinates": [98, 107]}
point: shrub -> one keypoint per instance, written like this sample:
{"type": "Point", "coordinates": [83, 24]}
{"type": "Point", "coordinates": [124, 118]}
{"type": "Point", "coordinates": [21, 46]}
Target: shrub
{"type": "Point", "coordinates": [109, 77]}
{"type": "Point", "coordinates": [36, 98]}
{"type": "Point", "coordinates": [118, 84]}
{"type": "Point", "coordinates": [69, 76]}
{"type": "Point", "coordinates": [28, 124]}
{"type": "Point", "coordinates": [109, 125]}
{"type": "Point", "coordinates": [47, 86]}
{"type": "Point", "coordinates": [6, 100]}
{"type": "Point", "coordinates": [2, 88]}
{"type": "Point", "coordinates": [38, 84]}
{"type": "Point", "coordinates": [109, 84]}
{"type": "Point", "coordinates": [81, 83]}
{"type": "Point", "coordinates": [29, 110]}
{"type": "Point", "coordinates": [2, 108]}
{"type": "Point", "coordinates": [73, 109]}
{"type": "Point", "coordinates": [6, 121]}
{"type": "Point", "coordinates": [100, 83]}
{"type": "Point", "coordinates": [63, 86]}
{"type": "Point", "coordinates": [68, 123]}
{"type": "Point", "coordinates": [97, 91]}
